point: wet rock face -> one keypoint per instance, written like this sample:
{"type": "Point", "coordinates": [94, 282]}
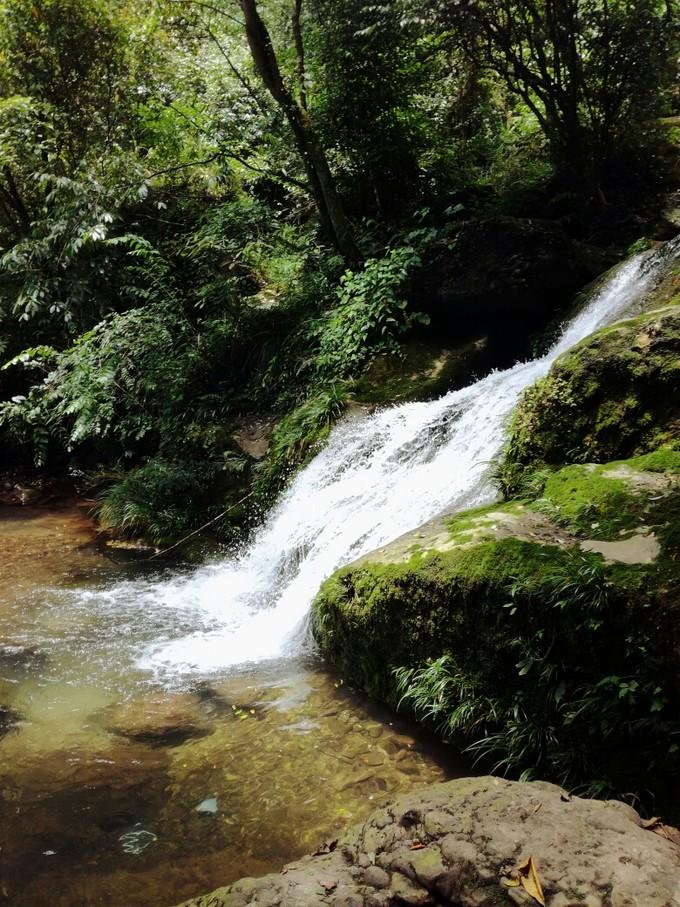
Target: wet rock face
{"type": "Point", "coordinates": [614, 395]}
{"type": "Point", "coordinates": [503, 274]}
{"type": "Point", "coordinates": [459, 843]}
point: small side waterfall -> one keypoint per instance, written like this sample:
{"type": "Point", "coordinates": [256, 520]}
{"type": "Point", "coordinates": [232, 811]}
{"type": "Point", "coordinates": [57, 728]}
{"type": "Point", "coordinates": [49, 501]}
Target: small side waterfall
{"type": "Point", "coordinates": [380, 475]}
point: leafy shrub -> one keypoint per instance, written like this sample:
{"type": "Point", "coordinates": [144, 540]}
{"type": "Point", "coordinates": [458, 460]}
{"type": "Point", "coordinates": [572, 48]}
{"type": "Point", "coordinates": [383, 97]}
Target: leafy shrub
{"type": "Point", "coordinates": [588, 707]}
{"type": "Point", "coordinates": [298, 437]}
{"type": "Point", "coordinates": [372, 311]}
{"type": "Point", "coordinates": [440, 694]}
{"type": "Point", "coordinates": [163, 500]}
{"type": "Point", "coordinates": [119, 383]}
{"type": "Point", "coordinates": [158, 500]}
{"type": "Point", "coordinates": [70, 268]}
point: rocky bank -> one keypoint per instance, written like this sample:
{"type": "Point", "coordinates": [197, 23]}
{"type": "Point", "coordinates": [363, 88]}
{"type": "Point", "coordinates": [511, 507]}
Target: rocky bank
{"type": "Point", "coordinates": [465, 843]}
{"type": "Point", "coordinates": [543, 631]}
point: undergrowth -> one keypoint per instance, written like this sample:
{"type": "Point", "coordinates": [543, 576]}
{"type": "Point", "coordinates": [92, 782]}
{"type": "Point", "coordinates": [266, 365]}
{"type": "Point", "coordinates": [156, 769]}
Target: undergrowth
{"type": "Point", "coordinates": [589, 707]}
{"type": "Point", "coordinates": [297, 438]}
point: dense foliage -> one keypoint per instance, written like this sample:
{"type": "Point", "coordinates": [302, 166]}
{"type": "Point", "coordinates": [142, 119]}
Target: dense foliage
{"type": "Point", "coordinates": [211, 210]}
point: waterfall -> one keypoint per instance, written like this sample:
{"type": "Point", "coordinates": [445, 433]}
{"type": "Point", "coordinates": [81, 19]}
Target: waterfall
{"type": "Point", "coordinates": [379, 476]}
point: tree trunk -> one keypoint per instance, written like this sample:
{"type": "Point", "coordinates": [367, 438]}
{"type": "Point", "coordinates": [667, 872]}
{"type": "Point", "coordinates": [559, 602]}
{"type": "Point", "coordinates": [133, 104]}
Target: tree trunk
{"type": "Point", "coordinates": [299, 52]}
{"type": "Point", "coordinates": [318, 172]}
{"type": "Point", "coordinates": [13, 198]}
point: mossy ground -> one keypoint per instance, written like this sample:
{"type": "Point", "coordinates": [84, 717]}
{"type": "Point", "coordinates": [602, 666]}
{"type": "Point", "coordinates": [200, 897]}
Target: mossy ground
{"type": "Point", "coordinates": [604, 501]}
{"type": "Point", "coordinates": [422, 371]}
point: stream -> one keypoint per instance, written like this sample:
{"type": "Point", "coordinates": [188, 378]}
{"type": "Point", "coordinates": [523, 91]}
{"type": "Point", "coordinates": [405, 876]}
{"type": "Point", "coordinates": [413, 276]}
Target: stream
{"type": "Point", "coordinates": [118, 790]}
{"type": "Point", "coordinates": [168, 730]}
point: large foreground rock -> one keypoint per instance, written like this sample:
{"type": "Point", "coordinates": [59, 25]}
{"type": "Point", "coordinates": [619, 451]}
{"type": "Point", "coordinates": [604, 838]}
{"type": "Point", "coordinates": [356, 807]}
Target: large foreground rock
{"type": "Point", "coordinates": [458, 843]}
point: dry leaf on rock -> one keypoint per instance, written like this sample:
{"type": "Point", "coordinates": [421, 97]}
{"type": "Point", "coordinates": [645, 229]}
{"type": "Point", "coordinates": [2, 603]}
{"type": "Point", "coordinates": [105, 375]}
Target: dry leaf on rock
{"type": "Point", "coordinates": [526, 875]}
{"type": "Point", "coordinates": [666, 831]}
{"type": "Point", "coordinates": [328, 847]}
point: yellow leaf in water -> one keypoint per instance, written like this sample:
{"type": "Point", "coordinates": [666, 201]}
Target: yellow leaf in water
{"type": "Point", "coordinates": [528, 878]}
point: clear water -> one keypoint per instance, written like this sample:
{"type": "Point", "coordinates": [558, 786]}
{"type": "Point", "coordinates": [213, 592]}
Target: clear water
{"type": "Point", "coordinates": [174, 733]}
{"type": "Point", "coordinates": [119, 791]}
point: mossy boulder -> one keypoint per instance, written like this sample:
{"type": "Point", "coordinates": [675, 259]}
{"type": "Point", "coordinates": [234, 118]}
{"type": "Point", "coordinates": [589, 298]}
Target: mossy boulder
{"type": "Point", "coordinates": [614, 395]}
{"type": "Point", "coordinates": [422, 370]}
{"type": "Point", "coordinates": [512, 631]}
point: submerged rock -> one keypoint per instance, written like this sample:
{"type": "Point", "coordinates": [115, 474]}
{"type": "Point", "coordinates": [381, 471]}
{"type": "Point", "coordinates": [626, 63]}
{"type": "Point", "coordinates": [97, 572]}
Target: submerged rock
{"type": "Point", "coordinates": [17, 658]}
{"type": "Point", "coordinates": [162, 719]}
{"type": "Point", "coordinates": [460, 843]}
{"type": "Point", "coordinates": [207, 807]}
{"type": "Point", "coordinates": [9, 720]}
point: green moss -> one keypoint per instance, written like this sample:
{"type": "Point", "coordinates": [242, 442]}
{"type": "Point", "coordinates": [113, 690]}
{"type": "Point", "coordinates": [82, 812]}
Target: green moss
{"type": "Point", "coordinates": [374, 616]}
{"type": "Point", "coordinates": [421, 372]}
{"type": "Point", "coordinates": [665, 459]}
{"type": "Point", "coordinates": [590, 501]}
{"type": "Point", "coordinates": [615, 395]}
{"type": "Point", "coordinates": [467, 523]}
{"type": "Point", "coordinates": [605, 501]}
{"type": "Point", "coordinates": [298, 437]}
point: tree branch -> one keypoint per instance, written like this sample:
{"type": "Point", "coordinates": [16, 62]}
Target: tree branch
{"type": "Point", "coordinates": [210, 8]}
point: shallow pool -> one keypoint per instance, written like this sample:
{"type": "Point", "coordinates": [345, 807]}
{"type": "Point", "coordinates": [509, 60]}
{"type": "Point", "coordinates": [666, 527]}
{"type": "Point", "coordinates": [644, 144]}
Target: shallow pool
{"type": "Point", "coordinates": [123, 787]}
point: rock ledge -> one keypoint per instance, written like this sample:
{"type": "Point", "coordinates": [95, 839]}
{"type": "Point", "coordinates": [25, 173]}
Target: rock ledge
{"type": "Point", "coordinates": [456, 843]}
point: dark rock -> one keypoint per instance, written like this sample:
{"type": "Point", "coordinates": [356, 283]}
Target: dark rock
{"type": "Point", "coordinates": [9, 719]}
{"type": "Point", "coordinates": [502, 275]}
{"type": "Point", "coordinates": [423, 370]}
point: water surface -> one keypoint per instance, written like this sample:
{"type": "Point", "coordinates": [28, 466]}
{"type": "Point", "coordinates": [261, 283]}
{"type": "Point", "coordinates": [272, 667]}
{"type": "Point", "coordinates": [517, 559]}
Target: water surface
{"type": "Point", "coordinates": [122, 787]}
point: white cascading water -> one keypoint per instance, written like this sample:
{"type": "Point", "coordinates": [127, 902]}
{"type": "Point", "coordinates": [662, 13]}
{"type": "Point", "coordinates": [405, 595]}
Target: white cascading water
{"type": "Point", "coordinates": [380, 476]}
